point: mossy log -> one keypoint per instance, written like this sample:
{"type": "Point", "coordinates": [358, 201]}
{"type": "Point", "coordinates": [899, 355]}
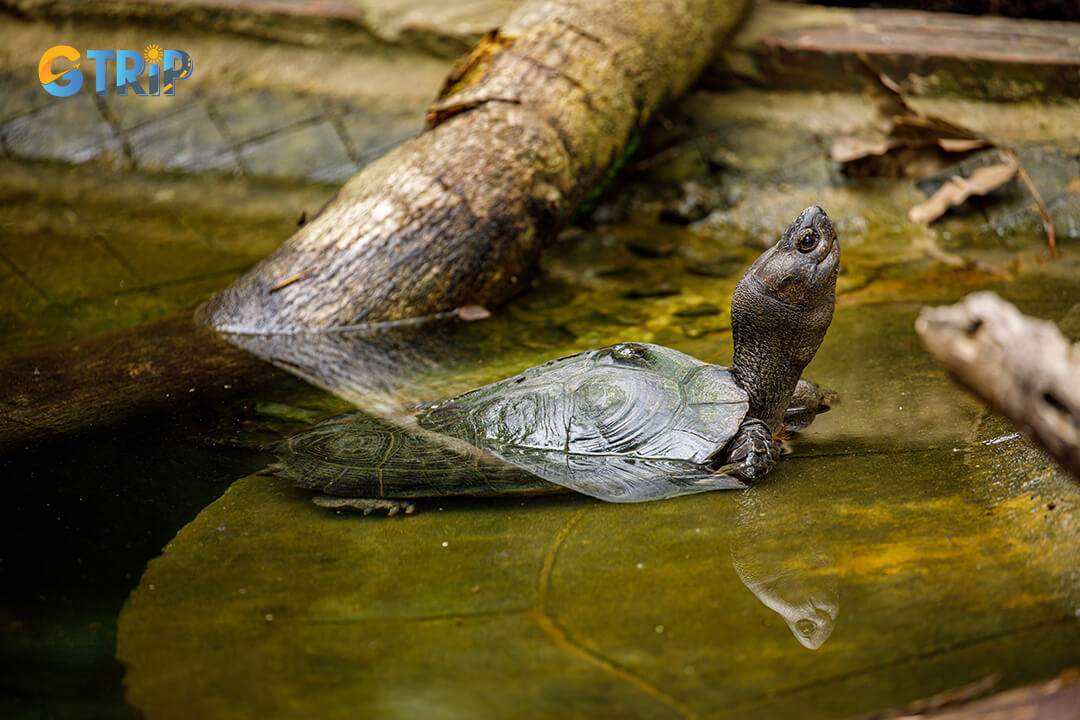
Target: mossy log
{"type": "Point", "coordinates": [1023, 367]}
{"type": "Point", "coordinates": [526, 125]}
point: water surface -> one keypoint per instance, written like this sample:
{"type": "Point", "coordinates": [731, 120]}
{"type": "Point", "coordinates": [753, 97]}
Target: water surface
{"type": "Point", "coordinates": [910, 543]}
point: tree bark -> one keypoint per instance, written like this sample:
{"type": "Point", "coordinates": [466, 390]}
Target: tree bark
{"type": "Point", "coordinates": [526, 125]}
{"type": "Point", "coordinates": [1023, 367]}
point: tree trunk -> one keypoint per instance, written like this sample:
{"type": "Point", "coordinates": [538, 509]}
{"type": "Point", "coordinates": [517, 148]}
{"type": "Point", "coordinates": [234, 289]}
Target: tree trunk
{"type": "Point", "coordinates": [1021, 366]}
{"type": "Point", "coordinates": [526, 125]}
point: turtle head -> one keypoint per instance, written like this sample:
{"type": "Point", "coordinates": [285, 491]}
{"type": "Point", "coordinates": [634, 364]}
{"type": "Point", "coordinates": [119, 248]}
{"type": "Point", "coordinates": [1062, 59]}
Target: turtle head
{"type": "Point", "coordinates": [782, 306]}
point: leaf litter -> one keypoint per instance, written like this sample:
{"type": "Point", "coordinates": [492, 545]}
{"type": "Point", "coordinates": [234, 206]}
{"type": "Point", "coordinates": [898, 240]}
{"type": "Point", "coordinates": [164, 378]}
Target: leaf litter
{"type": "Point", "coordinates": [918, 145]}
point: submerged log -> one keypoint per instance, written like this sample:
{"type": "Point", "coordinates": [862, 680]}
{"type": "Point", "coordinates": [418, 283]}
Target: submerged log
{"type": "Point", "coordinates": [158, 366]}
{"type": "Point", "coordinates": [525, 127]}
{"type": "Point", "coordinates": [1023, 367]}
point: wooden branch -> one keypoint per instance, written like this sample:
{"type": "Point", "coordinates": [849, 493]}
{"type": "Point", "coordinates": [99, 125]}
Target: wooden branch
{"type": "Point", "coordinates": [525, 127]}
{"type": "Point", "coordinates": [1023, 367]}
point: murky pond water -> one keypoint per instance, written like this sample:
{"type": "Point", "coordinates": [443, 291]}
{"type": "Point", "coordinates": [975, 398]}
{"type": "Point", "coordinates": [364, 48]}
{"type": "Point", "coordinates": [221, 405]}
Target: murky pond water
{"type": "Point", "coordinates": [910, 543]}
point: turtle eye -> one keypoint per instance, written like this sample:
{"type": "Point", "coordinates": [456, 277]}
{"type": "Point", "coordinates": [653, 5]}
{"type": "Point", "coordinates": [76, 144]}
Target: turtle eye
{"type": "Point", "coordinates": [807, 241]}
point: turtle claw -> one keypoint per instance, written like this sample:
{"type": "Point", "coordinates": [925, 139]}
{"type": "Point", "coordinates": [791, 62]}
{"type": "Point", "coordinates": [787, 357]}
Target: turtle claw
{"type": "Point", "coordinates": [365, 505]}
{"type": "Point", "coordinates": [271, 469]}
{"type": "Point", "coordinates": [752, 453]}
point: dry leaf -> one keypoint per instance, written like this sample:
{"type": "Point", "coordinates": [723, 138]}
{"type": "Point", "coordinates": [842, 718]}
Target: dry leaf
{"type": "Point", "coordinates": [929, 128]}
{"type": "Point", "coordinates": [882, 91]}
{"type": "Point", "coordinates": [472, 313]}
{"type": "Point", "coordinates": [915, 144]}
{"type": "Point", "coordinates": [962, 145]}
{"type": "Point", "coordinates": [849, 149]}
{"type": "Point", "coordinates": [918, 145]}
{"type": "Point", "coordinates": [957, 189]}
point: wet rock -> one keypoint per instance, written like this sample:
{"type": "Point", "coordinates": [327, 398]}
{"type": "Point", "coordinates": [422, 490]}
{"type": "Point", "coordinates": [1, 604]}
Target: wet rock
{"type": "Point", "coordinates": [258, 113]}
{"type": "Point", "coordinates": [612, 270]}
{"type": "Point", "coordinates": [611, 319]}
{"type": "Point", "coordinates": [372, 132]}
{"type": "Point", "coordinates": [609, 212]}
{"type": "Point", "coordinates": [572, 235]}
{"type": "Point", "coordinates": [699, 310]}
{"type": "Point", "coordinates": [651, 248]}
{"type": "Point", "coordinates": [696, 201]}
{"type": "Point", "coordinates": [722, 267]}
{"type": "Point", "coordinates": [723, 160]}
{"type": "Point", "coordinates": [1070, 323]}
{"type": "Point", "coordinates": [312, 151]}
{"type": "Point", "coordinates": [661, 289]}
{"type": "Point", "coordinates": [187, 141]}
{"type": "Point", "coordinates": [72, 130]}
{"type": "Point", "coordinates": [374, 613]}
{"type": "Point", "coordinates": [286, 413]}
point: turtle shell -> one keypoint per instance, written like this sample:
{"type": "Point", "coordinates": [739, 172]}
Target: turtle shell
{"type": "Point", "coordinates": [359, 455]}
{"type": "Point", "coordinates": [624, 423]}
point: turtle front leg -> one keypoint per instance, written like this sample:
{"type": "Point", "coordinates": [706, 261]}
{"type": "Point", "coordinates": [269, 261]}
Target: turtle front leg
{"type": "Point", "coordinates": [366, 505]}
{"type": "Point", "coordinates": [751, 454]}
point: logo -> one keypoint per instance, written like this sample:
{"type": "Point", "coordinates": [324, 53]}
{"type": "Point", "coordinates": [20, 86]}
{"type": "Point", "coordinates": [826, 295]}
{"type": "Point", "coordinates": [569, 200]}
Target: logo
{"type": "Point", "coordinates": [60, 74]}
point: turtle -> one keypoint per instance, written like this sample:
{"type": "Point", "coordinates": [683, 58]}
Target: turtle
{"type": "Point", "coordinates": [626, 423]}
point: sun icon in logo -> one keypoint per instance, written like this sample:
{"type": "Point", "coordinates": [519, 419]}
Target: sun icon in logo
{"type": "Point", "coordinates": [153, 54]}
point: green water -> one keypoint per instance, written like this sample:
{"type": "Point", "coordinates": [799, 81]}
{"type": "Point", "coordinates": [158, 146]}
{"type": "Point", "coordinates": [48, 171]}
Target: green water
{"type": "Point", "coordinates": [149, 572]}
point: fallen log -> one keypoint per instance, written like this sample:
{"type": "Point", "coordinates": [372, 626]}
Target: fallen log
{"type": "Point", "coordinates": [525, 127]}
{"type": "Point", "coordinates": [1023, 367]}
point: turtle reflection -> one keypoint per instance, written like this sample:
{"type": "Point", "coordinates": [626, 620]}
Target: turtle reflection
{"type": "Point", "coordinates": [783, 557]}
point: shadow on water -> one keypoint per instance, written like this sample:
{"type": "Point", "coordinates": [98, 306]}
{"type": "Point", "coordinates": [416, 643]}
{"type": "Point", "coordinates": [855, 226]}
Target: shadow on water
{"type": "Point", "coordinates": [80, 520]}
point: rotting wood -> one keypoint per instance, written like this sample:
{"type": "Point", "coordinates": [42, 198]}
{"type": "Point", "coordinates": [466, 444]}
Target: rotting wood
{"type": "Point", "coordinates": [1023, 367]}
